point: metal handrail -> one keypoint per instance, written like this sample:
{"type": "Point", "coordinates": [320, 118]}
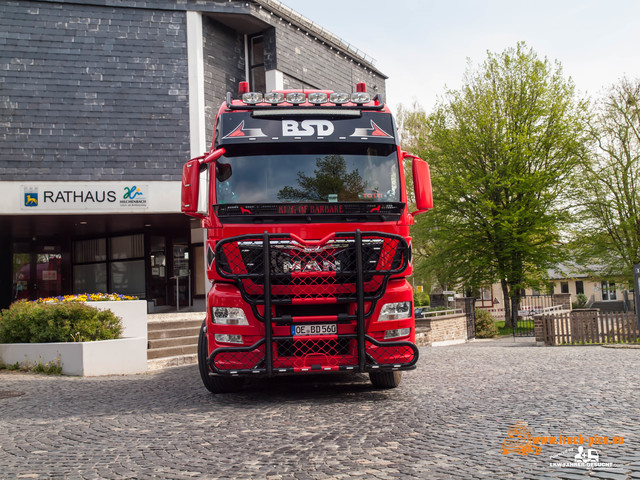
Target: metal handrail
{"type": "Point", "coordinates": [437, 313]}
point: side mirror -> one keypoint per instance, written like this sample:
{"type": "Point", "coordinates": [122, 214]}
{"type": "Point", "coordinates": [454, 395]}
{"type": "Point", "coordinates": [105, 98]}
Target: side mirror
{"type": "Point", "coordinates": [191, 188]}
{"type": "Point", "coordinates": [195, 201]}
{"type": "Point", "coordinates": [421, 184]}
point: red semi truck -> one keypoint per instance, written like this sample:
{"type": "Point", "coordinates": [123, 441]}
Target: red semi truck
{"type": "Point", "coordinates": [303, 196]}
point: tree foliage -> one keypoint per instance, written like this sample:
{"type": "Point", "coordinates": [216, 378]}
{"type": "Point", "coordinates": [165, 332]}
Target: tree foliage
{"type": "Point", "coordinates": [608, 184]}
{"type": "Point", "coordinates": [500, 149]}
{"type": "Point", "coordinates": [330, 177]}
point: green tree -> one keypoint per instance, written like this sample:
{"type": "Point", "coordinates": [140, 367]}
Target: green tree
{"type": "Point", "coordinates": [501, 149]}
{"type": "Point", "coordinates": [429, 269]}
{"type": "Point", "coordinates": [608, 184]}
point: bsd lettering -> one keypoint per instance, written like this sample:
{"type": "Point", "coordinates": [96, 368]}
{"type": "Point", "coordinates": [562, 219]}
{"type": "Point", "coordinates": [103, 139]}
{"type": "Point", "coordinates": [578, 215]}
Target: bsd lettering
{"type": "Point", "coordinates": [306, 128]}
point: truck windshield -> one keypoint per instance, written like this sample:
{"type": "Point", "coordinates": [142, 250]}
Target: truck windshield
{"type": "Point", "coordinates": [340, 173]}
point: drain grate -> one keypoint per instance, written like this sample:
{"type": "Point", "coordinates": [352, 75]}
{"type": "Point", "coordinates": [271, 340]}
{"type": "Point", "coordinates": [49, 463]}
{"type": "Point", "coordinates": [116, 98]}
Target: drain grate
{"type": "Point", "coordinates": [10, 394]}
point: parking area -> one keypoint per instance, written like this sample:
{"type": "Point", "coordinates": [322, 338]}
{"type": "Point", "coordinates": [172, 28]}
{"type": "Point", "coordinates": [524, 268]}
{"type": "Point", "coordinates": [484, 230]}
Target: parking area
{"type": "Point", "coordinates": [448, 419]}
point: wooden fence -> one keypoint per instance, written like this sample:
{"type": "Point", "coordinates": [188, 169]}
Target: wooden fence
{"type": "Point", "coordinates": [578, 327]}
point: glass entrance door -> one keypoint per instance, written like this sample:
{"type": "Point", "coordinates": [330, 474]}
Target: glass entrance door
{"type": "Point", "coordinates": [158, 276]}
{"type": "Point", "coordinates": [21, 287]}
{"type": "Point", "coordinates": [36, 271]}
{"type": "Point", "coordinates": [180, 286]}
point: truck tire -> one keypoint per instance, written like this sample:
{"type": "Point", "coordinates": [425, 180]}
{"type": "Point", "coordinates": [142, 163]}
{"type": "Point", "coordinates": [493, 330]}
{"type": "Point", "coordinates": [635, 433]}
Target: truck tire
{"type": "Point", "coordinates": [385, 379]}
{"type": "Point", "coordinates": [213, 383]}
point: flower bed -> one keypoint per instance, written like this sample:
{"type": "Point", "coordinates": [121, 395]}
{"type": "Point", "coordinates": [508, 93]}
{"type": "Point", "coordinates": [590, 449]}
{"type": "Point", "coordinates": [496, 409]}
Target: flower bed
{"type": "Point", "coordinates": [125, 355]}
{"type": "Point", "coordinates": [87, 297]}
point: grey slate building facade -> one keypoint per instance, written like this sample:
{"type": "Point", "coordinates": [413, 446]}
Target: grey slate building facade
{"type": "Point", "coordinates": [102, 102]}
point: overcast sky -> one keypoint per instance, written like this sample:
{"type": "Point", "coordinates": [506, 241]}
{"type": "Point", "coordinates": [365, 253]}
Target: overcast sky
{"type": "Point", "coordinates": [423, 45]}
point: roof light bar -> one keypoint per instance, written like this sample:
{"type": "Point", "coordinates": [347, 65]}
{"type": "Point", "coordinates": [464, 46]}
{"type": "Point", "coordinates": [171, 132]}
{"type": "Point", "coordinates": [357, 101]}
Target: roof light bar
{"type": "Point", "coordinates": [274, 97]}
{"type": "Point", "coordinates": [251, 98]}
{"type": "Point", "coordinates": [296, 98]}
{"type": "Point", "coordinates": [307, 112]}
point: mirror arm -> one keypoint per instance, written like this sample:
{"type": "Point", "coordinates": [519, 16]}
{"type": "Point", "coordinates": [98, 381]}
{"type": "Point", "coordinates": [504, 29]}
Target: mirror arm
{"type": "Point", "coordinates": [212, 157]}
{"type": "Point", "coordinates": [417, 212]}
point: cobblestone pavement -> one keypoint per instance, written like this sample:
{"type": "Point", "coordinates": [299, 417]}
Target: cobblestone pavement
{"type": "Point", "coordinates": [448, 419]}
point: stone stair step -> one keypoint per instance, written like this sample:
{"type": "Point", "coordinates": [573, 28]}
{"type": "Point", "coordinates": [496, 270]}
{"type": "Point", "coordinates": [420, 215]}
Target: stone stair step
{"type": "Point", "coordinates": [172, 342]}
{"type": "Point", "coordinates": [161, 317]}
{"type": "Point", "coordinates": [176, 361]}
{"type": "Point", "coordinates": [172, 351]}
{"type": "Point", "coordinates": [155, 325]}
{"type": "Point", "coordinates": [173, 333]}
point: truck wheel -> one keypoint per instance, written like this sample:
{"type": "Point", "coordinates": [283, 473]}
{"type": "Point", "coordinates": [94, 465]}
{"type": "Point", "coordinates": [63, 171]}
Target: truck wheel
{"type": "Point", "coordinates": [213, 383]}
{"type": "Point", "coordinates": [385, 379]}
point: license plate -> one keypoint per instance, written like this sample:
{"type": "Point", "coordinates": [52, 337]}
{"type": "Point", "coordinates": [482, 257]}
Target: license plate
{"type": "Point", "coordinates": [314, 329]}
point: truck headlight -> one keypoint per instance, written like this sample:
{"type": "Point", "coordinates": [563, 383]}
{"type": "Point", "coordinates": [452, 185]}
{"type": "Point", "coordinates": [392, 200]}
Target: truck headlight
{"type": "Point", "coordinates": [395, 311]}
{"type": "Point", "coordinates": [228, 316]}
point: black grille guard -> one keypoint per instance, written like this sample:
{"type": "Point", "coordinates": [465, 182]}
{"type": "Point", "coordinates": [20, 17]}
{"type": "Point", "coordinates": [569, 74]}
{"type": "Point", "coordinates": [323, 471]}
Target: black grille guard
{"type": "Point", "coordinates": [283, 269]}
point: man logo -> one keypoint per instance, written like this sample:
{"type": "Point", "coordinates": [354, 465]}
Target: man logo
{"type": "Point", "coordinates": [31, 199]}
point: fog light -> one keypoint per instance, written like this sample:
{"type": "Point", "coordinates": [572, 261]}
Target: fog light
{"type": "Point", "coordinates": [318, 97]}
{"type": "Point", "coordinates": [228, 316]}
{"type": "Point", "coordinates": [395, 311]}
{"type": "Point", "coordinates": [339, 98]}
{"type": "Point", "coordinates": [226, 338]}
{"type": "Point", "coordinates": [296, 97]}
{"type": "Point", "coordinates": [274, 97]}
{"type": "Point", "coordinates": [252, 98]}
{"type": "Point", "coordinates": [399, 332]}
{"type": "Point", "coordinates": [360, 97]}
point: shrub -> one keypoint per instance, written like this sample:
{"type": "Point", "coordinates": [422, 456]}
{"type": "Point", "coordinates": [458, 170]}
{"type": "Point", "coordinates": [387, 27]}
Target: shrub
{"type": "Point", "coordinates": [485, 324]}
{"type": "Point", "coordinates": [421, 299]}
{"type": "Point", "coordinates": [582, 300]}
{"type": "Point", "coordinates": [29, 322]}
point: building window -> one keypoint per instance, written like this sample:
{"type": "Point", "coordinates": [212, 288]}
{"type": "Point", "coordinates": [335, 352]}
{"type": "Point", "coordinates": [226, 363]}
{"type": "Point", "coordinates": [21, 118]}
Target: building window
{"type": "Point", "coordinates": [579, 287]}
{"type": "Point", "coordinates": [564, 287]}
{"type": "Point", "coordinates": [89, 266]}
{"type": "Point", "coordinates": [121, 269]}
{"type": "Point", "coordinates": [256, 64]}
{"type": "Point", "coordinates": [129, 246]}
{"type": "Point", "coordinates": [127, 265]}
{"type": "Point", "coordinates": [609, 291]}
